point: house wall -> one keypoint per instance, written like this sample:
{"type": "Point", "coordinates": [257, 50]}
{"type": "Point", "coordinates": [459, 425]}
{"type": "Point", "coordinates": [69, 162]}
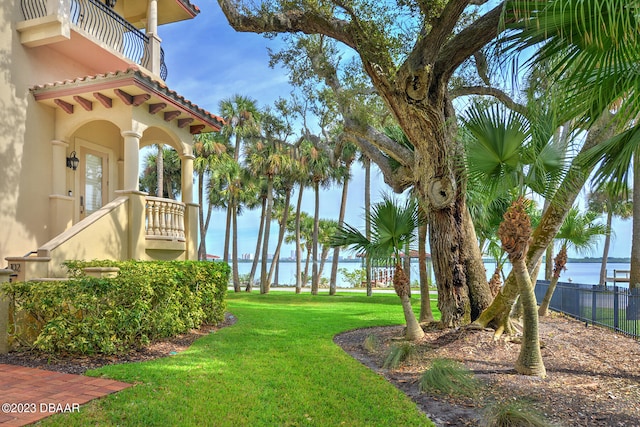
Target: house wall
{"type": "Point", "coordinates": [27, 129]}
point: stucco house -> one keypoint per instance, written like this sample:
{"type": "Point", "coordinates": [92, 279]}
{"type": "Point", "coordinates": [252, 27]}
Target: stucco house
{"type": "Point", "coordinates": [82, 90]}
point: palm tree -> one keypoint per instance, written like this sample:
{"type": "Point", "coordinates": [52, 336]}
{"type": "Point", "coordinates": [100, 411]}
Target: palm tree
{"type": "Point", "coordinates": [393, 226]}
{"type": "Point", "coordinates": [319, 167]}
{"type": "Point", "coordinates": [231, 186]}
{"type": "Point", "coordinates": [268, 158]}
{"type": "Point", "coordinates": [578, 232]}
{"type": "Point", "coordinates": [327, 229]}
{"type": "Point", "coordinates": [514, 233]}
{"type": "Point", "coordinates": [172, 176]}
{"type": "Point", "coordinates": [595, 66]}
{"type": "Point", "coordinates": [612, 203]}
{"type": "Point", "coordinates": [241, 117]}
{"type": "Point", "coordinates": [260, 199]}
{"type": "Point", "coordinates": [208, 149]}
{"type": "Point", "coordinates": [347, 157]}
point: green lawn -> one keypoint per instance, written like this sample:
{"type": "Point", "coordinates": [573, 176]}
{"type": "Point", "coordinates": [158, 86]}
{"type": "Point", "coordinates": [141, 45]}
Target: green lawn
{"type": "Point", "coordinates": [277, 366]}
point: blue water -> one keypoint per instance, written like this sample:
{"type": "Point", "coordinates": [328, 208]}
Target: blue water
{"type": "Point", "coordinates": [585, 273]}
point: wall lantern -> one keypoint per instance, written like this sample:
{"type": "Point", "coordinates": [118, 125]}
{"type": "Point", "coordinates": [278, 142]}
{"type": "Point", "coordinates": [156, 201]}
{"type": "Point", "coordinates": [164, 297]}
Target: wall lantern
{"type": "Point", "coordinates": [72, 161]}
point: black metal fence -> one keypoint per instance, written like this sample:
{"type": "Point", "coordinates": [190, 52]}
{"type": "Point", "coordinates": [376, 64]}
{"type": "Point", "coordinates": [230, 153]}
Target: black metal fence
{"type": "Point", "coordinates": [613, 307]}
{"type": "Point", "coordinates": [101, 22]}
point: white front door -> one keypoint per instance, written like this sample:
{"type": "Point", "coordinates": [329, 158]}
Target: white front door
{"type": "Point", "coordinates": [94, 183]}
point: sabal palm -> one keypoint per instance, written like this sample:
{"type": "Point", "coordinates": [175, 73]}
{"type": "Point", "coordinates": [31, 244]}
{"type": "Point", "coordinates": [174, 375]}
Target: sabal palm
{"type": "Point", "coordinates": [393, 227]}
{"type": "Point", "coordinates": [172, 178]}
{"type": "Point", "coordinates": [612, 203]}
{"type": "Point", "coordinates": [267, 158]}
{"type": "Point", "coordinates": [347, 157]}
{"type": "Point", "coordinates": [578, 232]}
{"type": "Point", "coordinates": [507, 151]}
{"type": "Point", "coordinates": [319, 167]}
{"type": "Point", "coordinates": [241, 117]}
{"type": "Point", "coordinates": [208, 149]}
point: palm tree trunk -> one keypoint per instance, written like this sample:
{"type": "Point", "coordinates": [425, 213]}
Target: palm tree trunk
{"type": "Point", "coordinates": [323, 259]}
{"type": "Point", "coordinates": [367, 210]}
{"type": "Point", "coordinates": [407, 265]}
{"type": "Point", "coordinates": [202, 247]}
{"type": "Point", "coordinates": [264, 280]}
{"type": "Point", "coordinates": [305, 275]}
{"type": "Point", "coordinates": [634, 274]}
{"type": "Point", "coordinates": [530, 359]}
{"type": "Point", "coordinates": [336, 250]}
{"type": "Point", "coordinates": [298, 243]}
{"type": "Point", "coordinates": [160, 170]}
{"type": "Point", "coordinates": [281, 231]}
{"type": "Point", "coordinates": [546, 300]}
{"type": "Point", "coordinates": [316, 223]}
{"type": "Point", "coordinates": [234, 258]}
{"type": "Point", "coordinates": [426, 314]}
{"type": "Point", "coordinates": [401, 284]}
{"type": "Point", "coordinates": [227, 234]}
{"type": "Point", "coordinates": [605, 250]}
{"type": "Point", "coordinates": [256, 256]}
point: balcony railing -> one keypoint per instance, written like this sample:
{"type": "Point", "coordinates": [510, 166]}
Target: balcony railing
{"type": "Point", "coordinates": [164, 219]}
{"type": "Point", "coordinates": [101, 22]}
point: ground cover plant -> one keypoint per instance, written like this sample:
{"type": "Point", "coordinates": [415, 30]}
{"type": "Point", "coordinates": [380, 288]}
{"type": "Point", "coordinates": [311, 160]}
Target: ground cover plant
{"type": "Point", "coordinates": [277, 365]}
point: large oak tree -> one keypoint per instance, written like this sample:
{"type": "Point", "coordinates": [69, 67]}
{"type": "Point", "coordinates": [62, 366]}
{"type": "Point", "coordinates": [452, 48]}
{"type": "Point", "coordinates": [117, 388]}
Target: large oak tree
{"type": "Point", "coordinates": [410, 51]}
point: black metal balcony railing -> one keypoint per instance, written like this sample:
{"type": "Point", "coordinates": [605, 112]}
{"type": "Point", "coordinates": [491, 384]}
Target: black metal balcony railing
{"type": "Point", "coordinates": [100, 21]}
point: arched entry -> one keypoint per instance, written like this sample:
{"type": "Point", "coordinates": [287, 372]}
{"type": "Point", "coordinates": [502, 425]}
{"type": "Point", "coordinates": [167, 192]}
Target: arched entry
{"type": "Point", "coordinates": [98, 146]}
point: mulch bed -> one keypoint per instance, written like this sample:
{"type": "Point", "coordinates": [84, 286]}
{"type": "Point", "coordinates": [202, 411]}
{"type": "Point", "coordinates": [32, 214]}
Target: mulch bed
{"type": "Point", "coordinates": [593, 374]}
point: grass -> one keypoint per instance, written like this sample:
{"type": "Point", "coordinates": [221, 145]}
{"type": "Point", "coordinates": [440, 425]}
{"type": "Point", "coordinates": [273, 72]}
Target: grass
{"type": "Point", "coordinates": [397, 354]}
{"type": "Point", "coordinates": [277, 366]}
{"type": "Point", "coordinates": [447, 376]}
{"type": "Point", "coordinates": [514, 414]}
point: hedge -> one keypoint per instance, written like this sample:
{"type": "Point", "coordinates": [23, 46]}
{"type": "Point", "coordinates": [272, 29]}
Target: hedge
{"type": "Point", "coordinates": [147, 301]}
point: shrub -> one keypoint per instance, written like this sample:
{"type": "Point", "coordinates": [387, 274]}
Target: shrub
{"type": "Point", "coordinates": [371, 343]}
{"type": "Point", "coordinates": [514, 414]}
{"type": "Point", "coordinates": [397, 354]}
{"type": "Point", "coordinates": [147, 301]}
{"type": "Point", "coordinates": [449, 377]}
{"type": "Point", "coordinates": [355, 278]}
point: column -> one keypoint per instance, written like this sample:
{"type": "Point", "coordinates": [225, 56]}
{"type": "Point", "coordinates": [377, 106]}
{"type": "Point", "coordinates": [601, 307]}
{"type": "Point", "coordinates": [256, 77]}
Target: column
{"type": "Point", "coordinates": [187, 178]}
{"type": "Point", "coordinates": [4, 313]}
{"type": "Point", "coordinates": [131, 160]}
{"type": "Point", "coordinates": [152, 33]}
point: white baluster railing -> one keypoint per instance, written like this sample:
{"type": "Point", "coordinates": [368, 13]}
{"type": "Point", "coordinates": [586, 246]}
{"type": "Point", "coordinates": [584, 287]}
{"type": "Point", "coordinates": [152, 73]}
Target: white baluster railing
{"type": "Point", "coordinates": [164, 219]}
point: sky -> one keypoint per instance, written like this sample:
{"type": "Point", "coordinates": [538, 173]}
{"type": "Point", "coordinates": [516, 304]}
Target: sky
{"type": "Point", "coordinates": [208, 61]}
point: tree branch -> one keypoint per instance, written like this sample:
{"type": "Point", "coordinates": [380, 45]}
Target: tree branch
{"type": "Point", "coordinates": [287, 21]}
{"type": "Point", "coordinates": [402, 155]}
{"type": "Point", "coordinates": [490, 91]}
{"type": "Point", "coordinates": [467, 42]}
{"type": "Point", "coordinates": [398, 179]}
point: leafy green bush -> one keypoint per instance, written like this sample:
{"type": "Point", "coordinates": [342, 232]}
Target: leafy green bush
{"type": "Point", "coordinates": [145, 302]}
{"type": "Point", "coordinates": [355, 278]}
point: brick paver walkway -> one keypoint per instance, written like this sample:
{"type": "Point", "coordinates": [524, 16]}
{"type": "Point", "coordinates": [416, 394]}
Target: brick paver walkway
{"type": "Point", "coordinates": [28, 395]}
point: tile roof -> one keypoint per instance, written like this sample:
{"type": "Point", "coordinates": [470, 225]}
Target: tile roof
{"type": "Point", "coordinates": [132, 76]}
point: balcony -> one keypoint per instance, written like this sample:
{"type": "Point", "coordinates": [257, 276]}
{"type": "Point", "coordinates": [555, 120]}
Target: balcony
{"type": "Point", "coordinates": [67, 25]}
